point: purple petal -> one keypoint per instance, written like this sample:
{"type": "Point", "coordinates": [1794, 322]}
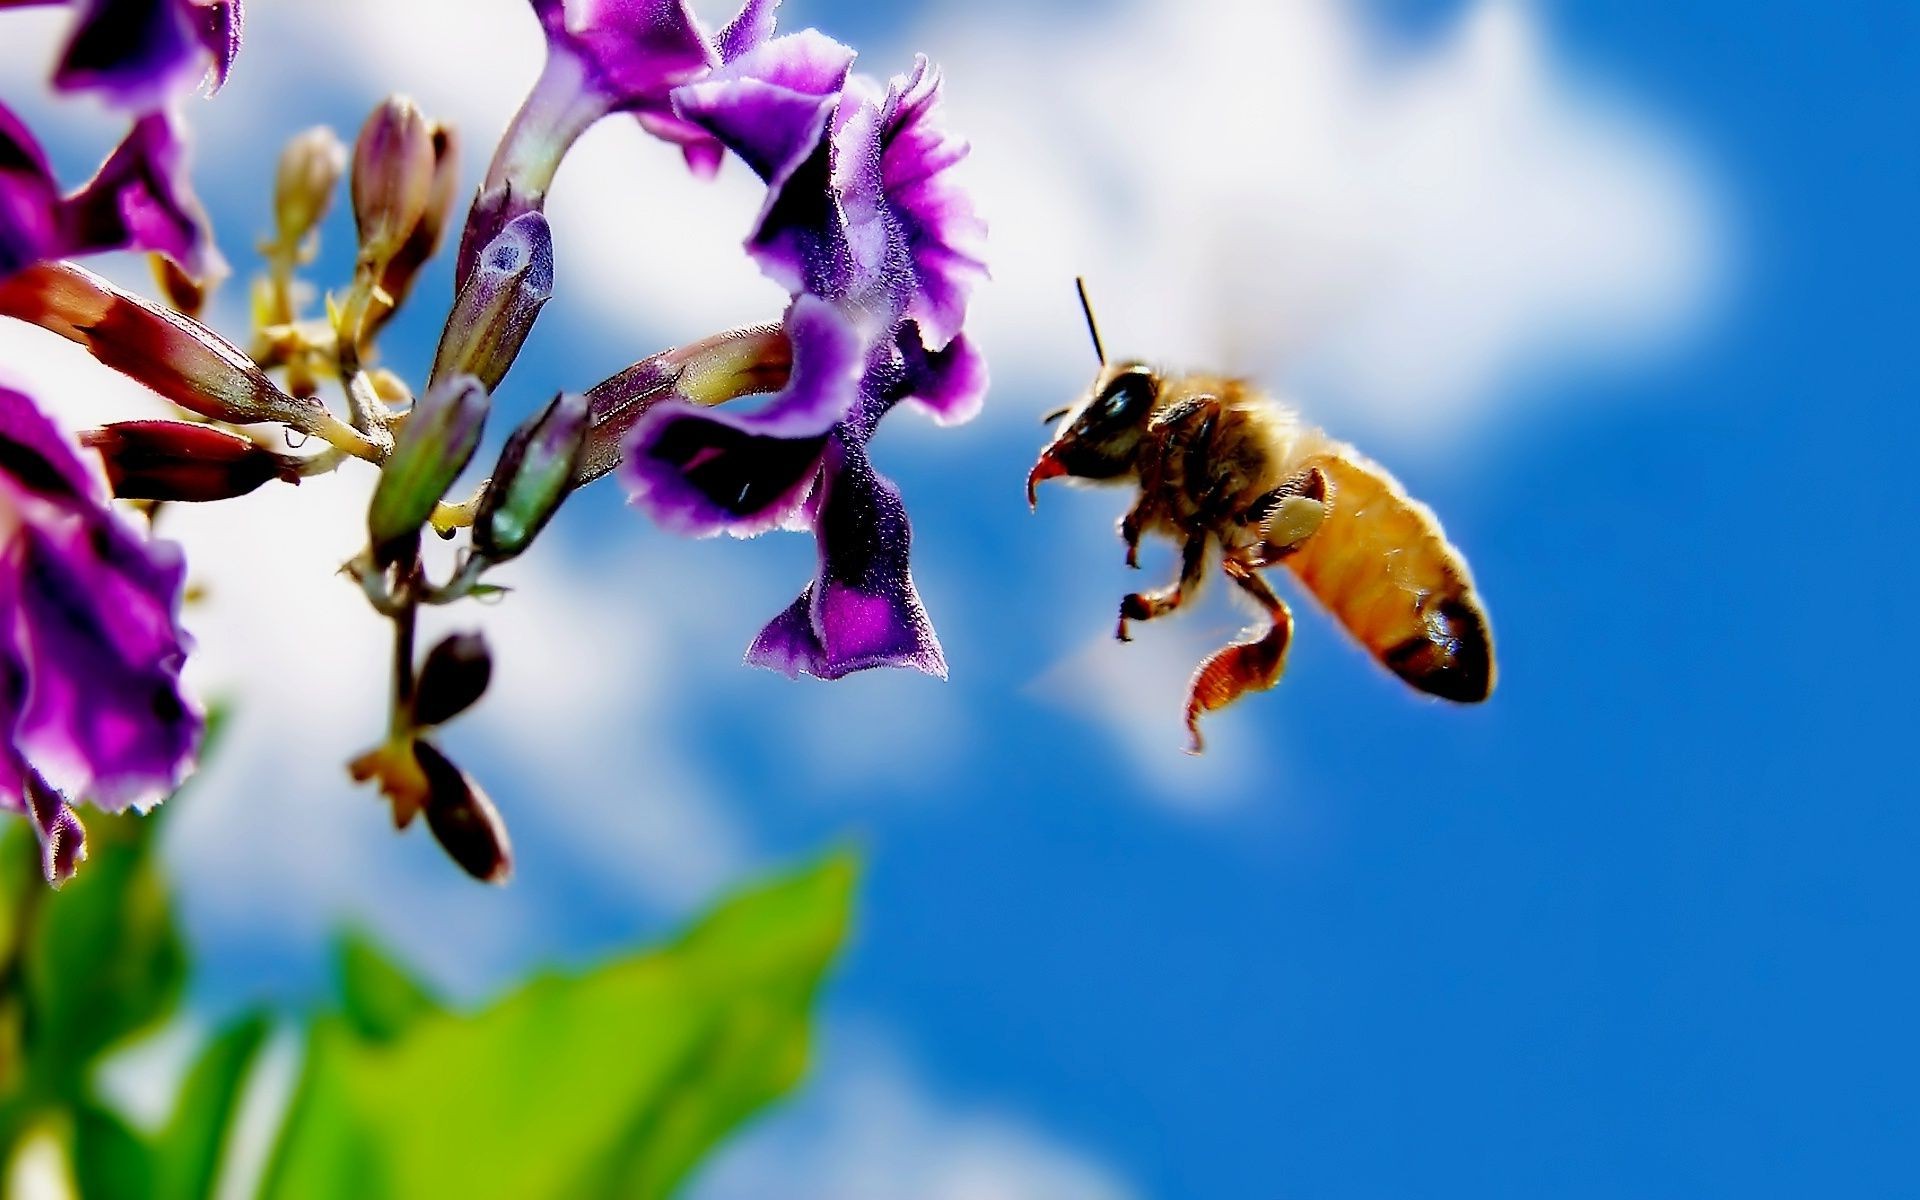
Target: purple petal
{"type": "Point", "coordinates": [63, 840]}
{"type": "Point", "coordinates": [140, 199]}
{"type": "Point", "coordinates": [751, 26]}
{"type": "Point", "coordinates": [862, 610]}
{"type": "Point", "coordinates": [942, 231]}
{"type": "Point", "coordinates": [772, 107]}
{"type": "Point", "coordinates": [632, 52]}
{"type": "Point", "coordinates": [88, 630]}
{"type": "Point", "coordinates": [950, 383]}
{"type": "Point", "coordinates": [221, 23]}
{"type": "Point", "coordinates": [136, 53]}
{"type": "Point", "coordinates": [701, 471]}
{"type": "Point", "coordinates": [29, 197]}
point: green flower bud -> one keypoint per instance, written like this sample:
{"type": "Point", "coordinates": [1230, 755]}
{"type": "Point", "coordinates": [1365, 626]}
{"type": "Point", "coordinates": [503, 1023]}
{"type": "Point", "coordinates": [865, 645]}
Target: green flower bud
{"type": "Point", "coordinates": [393, 167]}
{"type": "Point", "coordinates": [310, 168]}
{"type": "Point", "coordinates": [535, 473]}
{"type": "Point", "coordinates": [433, 447]}
{"type": "Point", "coordinates": [497, 305]}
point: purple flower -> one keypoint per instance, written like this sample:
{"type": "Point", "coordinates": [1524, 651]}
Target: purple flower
{"type": "Point", "coordinates": [139, 54]}
{"type": "Point", "coordinates": [604, 57]}
{"type": "Point", "coordinates": [90, 644]}
{"type": "Point", "coordinates": [139, 199]}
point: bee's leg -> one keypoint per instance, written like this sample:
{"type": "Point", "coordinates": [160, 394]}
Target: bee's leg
{"type": "Point", "coordinates": [1288, 515]}
{"type": "Point", "coordinates": [1132, 526]}
{"type": "Point", "coordinates": [1248, 666]}
{"type": "Point", "coordinates": [1144, 606]}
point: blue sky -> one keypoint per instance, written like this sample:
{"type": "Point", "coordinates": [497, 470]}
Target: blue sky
{"type": "Point", "coordinates": [1629, 929]}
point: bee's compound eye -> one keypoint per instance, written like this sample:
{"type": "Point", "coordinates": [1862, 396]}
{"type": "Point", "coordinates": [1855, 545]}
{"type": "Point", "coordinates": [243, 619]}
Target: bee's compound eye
{"type": "Point", "coordinates": [1126, 398]}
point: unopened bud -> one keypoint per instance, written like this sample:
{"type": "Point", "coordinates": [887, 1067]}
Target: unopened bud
{"type": "Point", "coordinates": [404, 267]}
{"type": "Point", "coordinates": [177, 357]}
{"type": "Point", "coordinates": [310, 168]}
{"type": "Point", "coordinates": [173, 460]}
{"type": "Point", "coordinates": [535, 473]}
{"type": "Point", "coordinates": [497, 305]}
{"type": "Point", "coordinates": [462, 819]}
{"type": "Point", "coordinates": [392, 176]}
{"type": "Point", "coordinates": [452, 679]}
{"type": "Point", "coordinates": [184, 293]}
{"type": "Point", "coordinates": [434, 445]}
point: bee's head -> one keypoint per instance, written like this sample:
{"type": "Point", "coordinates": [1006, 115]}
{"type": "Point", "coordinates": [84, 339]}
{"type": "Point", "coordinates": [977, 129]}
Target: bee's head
{"type": "Point", "coordinates": [1103, 430]}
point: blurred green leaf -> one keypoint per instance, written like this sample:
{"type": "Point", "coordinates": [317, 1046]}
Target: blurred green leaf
{"type": "Point", "coordinates": [110, 1160]}
{"type": "Point", "coordinates": [103, 961]}
{"type": "Point", "coordinates": [611, 1083]}
{"type": "Point", "coordinates": [379, 998]}
{"type": "Point", "coordinates": [188, 1154]}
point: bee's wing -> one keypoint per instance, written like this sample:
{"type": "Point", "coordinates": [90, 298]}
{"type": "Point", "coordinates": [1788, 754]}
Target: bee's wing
{"type": "Point", "coordinates": [1383, 567]}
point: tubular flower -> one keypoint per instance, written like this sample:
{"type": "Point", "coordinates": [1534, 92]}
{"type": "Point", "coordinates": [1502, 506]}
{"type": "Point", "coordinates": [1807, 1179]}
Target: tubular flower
{"type": "Point", "coordinates": [605, 57]}
{"type": "Point", "coordinates": [138, 54]}
{"type": "Point", "coordinates": [90, 644]}
{"type": "Point", "coordinates": [866, 228]}
{"type": "Point", "coordinates": [139, 199]}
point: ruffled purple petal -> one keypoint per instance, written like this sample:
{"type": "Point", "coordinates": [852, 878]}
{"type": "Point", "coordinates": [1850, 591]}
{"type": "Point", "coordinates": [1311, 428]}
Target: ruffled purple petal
{"type": "Point", "coordinates": [862, 609]}
{"type": "Point", "coordinates": [137, 54]}
{"type": "Point", "coordinates": [221, 24]}
{"type": "Point", "coordinates": [772, 107]}
{"type": "Point", "coordinates": [702, 471]}
{"type": "Point", "coordinates": [89, 629]}
{"type": "Point", "coordinates": [943, 233]}
{"type": "Point", "coordinates": [950, 383]}
{"type": "Point", "coordinates": [751, 26]}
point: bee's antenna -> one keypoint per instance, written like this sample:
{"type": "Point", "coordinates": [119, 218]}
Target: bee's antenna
{"type": "Point", "coordinates": [1086, 306]}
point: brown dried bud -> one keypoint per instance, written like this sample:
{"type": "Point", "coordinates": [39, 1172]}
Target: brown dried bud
{"type": "Point", "coordinates": [393, 169]}
{"type": "Point", "coordinates": [176, 356]}
{"type": "Point", "coordinates": [172, 460]}
{"type": "Point", "coordinates": [462, 819]}
{"type": "Point", "coordinates": [184, 293]}
{"type": "Point", "coordinates": [310, 168]}
{"type": "Point", "coordinates": [454, 677]}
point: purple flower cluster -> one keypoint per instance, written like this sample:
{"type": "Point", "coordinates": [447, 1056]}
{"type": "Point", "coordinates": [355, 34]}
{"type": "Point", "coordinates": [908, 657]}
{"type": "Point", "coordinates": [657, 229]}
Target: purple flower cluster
{"type": "Point", "coordinates": [90, 645]}
{"type": "Point", "coordinates": [878, 247]}
{"type": "Point", "coordinates": [90, 642]}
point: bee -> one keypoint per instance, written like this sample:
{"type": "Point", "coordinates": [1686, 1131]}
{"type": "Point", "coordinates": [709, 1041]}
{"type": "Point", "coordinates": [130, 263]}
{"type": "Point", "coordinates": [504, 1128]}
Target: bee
{"type": "Point", "coordinates": [1218, 462]}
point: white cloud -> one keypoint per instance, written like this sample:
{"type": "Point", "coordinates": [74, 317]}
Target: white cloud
{"type": "Point", "coordinates": [1261, 185]}
{"type": "Point", "coordinates": [870, 1129]}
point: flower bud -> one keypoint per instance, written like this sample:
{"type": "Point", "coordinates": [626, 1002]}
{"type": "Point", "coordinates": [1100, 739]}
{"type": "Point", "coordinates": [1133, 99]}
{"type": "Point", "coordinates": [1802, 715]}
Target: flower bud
{"type": "Point", "coordinates": [310, 168]}
{"type": "Point", "coordinates": [452, 679]}
{"type": "Point", "coordinates": [172, 460]}
{"type": "Point", "coordinates": [462, 819]}
{"type": "Point", "coordinates": [177, 357]}
{"type": "Point", "coordinates": [392, 176]}
{"type": "Point", "coordinates": [534, 474]}
{"type": "Point", "coordinates": [432, 449]}
{"type": "Point", "coordinates": [497, 305]}
{"type": "Point", "coordinates": [404, 267]}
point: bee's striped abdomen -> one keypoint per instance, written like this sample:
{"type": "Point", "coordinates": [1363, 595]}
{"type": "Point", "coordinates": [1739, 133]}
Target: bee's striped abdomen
{"type": "Point", "coordinates": [1383, 567]}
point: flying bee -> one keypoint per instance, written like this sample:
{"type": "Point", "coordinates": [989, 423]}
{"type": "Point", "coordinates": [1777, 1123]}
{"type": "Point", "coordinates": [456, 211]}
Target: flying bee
{"type": "Point", "coordinates": [1217, 461]}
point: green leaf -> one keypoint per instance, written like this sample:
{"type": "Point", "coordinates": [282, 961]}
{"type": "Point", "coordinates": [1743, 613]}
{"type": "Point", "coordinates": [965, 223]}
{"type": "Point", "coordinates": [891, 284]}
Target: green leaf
{"type": "Point", "coordinates": [104, 960]}
{"type": "Point", "coordinates": [110, 1160]}
{"type": "Point", "coordinates": [611, 1083]}
{"type": "Point", "coordinates": [379, 997]}
{"type": "Point", "coordinates": [188, 1154]}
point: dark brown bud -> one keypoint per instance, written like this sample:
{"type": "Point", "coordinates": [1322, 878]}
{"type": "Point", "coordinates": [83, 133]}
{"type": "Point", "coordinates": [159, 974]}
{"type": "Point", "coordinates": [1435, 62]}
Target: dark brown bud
{"type": "Point", "coordinates": [452, 679]}
{"type": "Point", "coordinates": [462, 819]}
{"type": "Point", "coordinates": [172, 460]}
